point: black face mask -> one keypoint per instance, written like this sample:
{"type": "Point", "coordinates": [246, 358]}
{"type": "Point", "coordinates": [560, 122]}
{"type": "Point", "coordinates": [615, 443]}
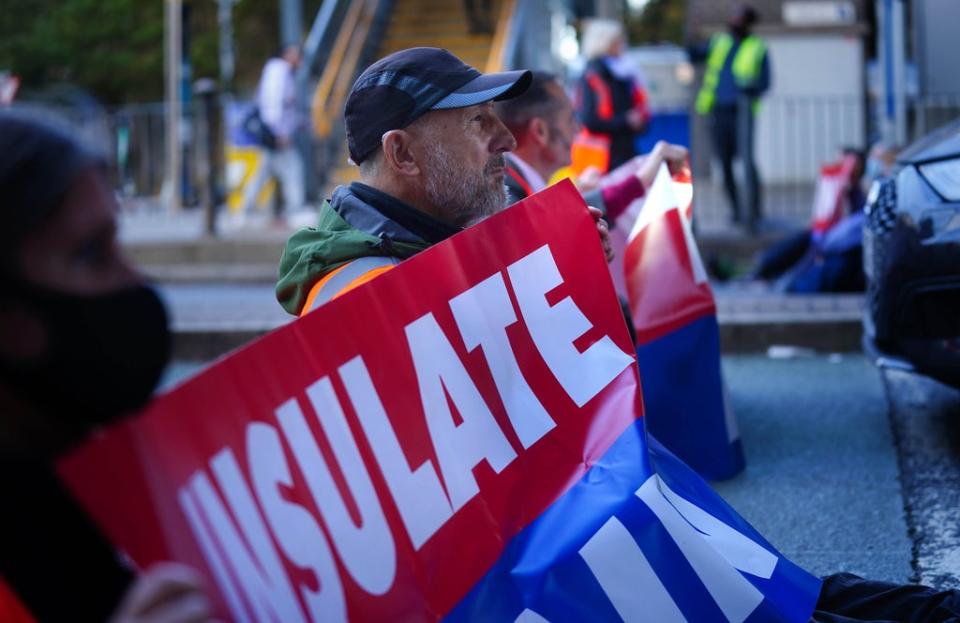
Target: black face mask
{"type": "Point", "coordinates": [103, 357]}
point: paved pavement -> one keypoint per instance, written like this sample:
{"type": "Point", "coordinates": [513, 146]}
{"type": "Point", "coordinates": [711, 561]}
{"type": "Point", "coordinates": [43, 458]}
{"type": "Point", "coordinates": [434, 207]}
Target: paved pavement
{"type": "Point", "coordinates": [925, 418]}
{"type": "Point", "coordinates": [212, 318]}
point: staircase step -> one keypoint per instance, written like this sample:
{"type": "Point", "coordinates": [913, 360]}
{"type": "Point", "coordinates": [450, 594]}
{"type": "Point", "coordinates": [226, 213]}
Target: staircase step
{"type": "Point", "coordinates": [476, 57]}
{"type": "Point", "coordinates": [450, 41]}
{"type": "Point", "coordinates": [440, 26]}
{"type": "Point", "coordinates": [425, 10]}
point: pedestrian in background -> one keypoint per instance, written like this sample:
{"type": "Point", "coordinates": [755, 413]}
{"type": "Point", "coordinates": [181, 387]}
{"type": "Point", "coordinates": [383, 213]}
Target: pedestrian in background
{"type": "Point", "coordinates": [737, 75]}
{"type": "Point", "coordinates": [277, 106]}
{"type": "Point", "coordinates": [611, 99]}
{"type": "Point", "coordinates": [82, 341]}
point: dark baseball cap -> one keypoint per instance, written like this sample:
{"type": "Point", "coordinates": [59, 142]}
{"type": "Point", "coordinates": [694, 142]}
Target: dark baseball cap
{"type": "Point", "coordinates": [400, 88]}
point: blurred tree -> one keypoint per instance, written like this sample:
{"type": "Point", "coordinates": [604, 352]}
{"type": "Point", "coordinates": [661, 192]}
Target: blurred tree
{"type": "Point", "coordinates": [114, 48]}
{"type": "Point", "coordinates": [656, 21]}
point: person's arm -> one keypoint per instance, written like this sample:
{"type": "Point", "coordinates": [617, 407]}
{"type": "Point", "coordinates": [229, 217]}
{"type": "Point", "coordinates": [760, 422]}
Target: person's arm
{"type": "Point", "coordinates": [765, 80]}
{"type": "Point", "coordinates": [270, 97]}
{"type": "Point", "coordinates": [676, 156]}
{"type": "Point", "coordinates": [618, 197]}
{"type": "Point", "coordinates": [614, 198]}
{"type": "Point", "coordinates": [762, 83]}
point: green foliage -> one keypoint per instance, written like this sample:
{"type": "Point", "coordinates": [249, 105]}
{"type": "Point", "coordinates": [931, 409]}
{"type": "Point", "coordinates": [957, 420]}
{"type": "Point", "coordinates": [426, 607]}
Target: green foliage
{"type": "Point", "coordinates": [114, 48]}
{"type": "Point", "coordinates": [660, 21]}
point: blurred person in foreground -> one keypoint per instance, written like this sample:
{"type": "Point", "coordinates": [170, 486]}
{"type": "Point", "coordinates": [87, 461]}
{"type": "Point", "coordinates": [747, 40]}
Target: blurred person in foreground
{"type": "Point", "coordinates": [422, 127]}
{"type": "Point", "coordinates": [82, 341]}
{"type": "Point", "coordinates": [611, 99]}
{"type": "Point", "coordinates": [736, 76]}
{"type": "Point", "coordinates": [277, 105]}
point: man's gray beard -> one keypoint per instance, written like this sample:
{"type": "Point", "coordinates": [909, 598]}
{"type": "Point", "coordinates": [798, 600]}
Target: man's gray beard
{"type": "Point", "coordinates": [465, 197]}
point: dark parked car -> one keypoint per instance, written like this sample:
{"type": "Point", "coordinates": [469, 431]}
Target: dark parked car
{"type": "Point", "coordinates": [911, 256]}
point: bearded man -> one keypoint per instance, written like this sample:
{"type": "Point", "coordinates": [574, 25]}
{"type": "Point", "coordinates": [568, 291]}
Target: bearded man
{"type": "Point", "coordinates": [422, 127]}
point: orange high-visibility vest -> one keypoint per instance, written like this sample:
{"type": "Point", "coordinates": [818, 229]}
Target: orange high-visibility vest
{"type": "Point", "coordinates": [592, 149]}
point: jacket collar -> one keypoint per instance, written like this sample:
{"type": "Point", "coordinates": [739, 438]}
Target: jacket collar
{"type": "Point", "coordinates": [376, 213]}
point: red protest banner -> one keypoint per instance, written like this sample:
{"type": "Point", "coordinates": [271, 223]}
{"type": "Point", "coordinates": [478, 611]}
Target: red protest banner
{"type": "Point", "coordinates": [666, 281]}
{"type": "Point", "coordinates": [828, 199]}
{"type": "Point", "coordinates": [373, 458]}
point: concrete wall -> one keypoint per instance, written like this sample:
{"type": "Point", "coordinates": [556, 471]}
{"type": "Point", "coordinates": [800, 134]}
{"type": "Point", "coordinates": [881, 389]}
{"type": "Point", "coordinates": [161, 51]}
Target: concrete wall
{"type": "Point", "coordinates": [815, 106]}
{"type": "Point", "coordinates": [937, 45]}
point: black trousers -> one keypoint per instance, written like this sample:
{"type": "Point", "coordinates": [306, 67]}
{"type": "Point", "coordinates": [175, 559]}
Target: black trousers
{"type": "Point", "coordinates": [732, 128]}
{"type": "Point", "coordinates": [846, 598]}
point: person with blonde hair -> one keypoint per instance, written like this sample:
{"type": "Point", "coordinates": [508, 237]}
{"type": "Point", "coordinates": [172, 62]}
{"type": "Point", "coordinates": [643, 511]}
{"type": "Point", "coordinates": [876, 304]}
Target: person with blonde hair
{"type": "Point", "coordinates": [611, 99]}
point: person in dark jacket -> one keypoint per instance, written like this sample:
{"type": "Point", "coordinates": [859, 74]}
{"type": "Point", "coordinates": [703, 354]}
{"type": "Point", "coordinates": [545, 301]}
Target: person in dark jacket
{"type": "Point", "coordinates": [82, 341]}
{"type": "Point", "coordinates": [611, 101]}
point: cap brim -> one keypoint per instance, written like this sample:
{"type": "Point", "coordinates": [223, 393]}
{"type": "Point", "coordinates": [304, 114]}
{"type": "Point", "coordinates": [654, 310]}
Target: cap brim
{"type": "Point", "coordinates": [486, 87]}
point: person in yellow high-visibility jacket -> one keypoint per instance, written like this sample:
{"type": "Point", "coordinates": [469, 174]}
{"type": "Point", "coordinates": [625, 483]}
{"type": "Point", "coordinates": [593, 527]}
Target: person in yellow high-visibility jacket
{"type": "Point", "coordinates": [737, 74]}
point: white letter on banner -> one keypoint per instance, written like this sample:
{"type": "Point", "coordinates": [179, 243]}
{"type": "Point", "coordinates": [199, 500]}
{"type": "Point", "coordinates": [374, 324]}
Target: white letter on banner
{"type": "Point", "coordinates": [554, 329]}
{"type": "Point", "coordinates": [627, 578]}
{"type": "Point", "coordinates": [210, 550]}
{"type": "Point", "coordinates": [741, 552]}
{"type": "Point", "coordinates": [459, 448]}
{"type": "Point", "coordinates": [367, 550]}
{"type": "Point", "coordinates": [294, 527]}
{"type": "Point", "coordinates": [483, 313]}
{"type": "Point", "coordinates": [420, 499]}
{"type": "Point", "coordinates": [529, 616]}
{"type": "Point", "coordinates": [262, 579]}
{"type": "Point", "coordinates": [734, 594]}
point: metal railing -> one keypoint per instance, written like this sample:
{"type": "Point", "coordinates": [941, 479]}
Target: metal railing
{"type": "Point", "coordinates": [933, 111]}
{"type": "Point", "coordinates": [793, 137]}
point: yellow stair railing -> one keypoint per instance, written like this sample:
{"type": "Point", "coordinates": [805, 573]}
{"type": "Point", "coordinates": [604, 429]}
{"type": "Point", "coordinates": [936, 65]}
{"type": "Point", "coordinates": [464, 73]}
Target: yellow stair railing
{"type": "Point", "coordinates": [500, 34]}
{"type": "Point", "coordinates": [337, 76]}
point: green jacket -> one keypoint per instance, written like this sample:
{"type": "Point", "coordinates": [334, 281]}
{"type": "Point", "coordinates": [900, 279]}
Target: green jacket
{"type": "Point", "coordinates": [347, 229]}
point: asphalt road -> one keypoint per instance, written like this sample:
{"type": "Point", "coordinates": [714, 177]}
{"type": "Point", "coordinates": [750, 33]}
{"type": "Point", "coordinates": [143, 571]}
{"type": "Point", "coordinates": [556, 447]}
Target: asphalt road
{"type": "Point", "coordinates": [835, 479]}
{"type": "Point", "coordinates": [841, 479]}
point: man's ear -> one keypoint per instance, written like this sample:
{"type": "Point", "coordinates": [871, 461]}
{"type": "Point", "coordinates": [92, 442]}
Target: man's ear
{"type": "Point", "coordinates": [539, 130]}
{"type": "Point", "coordinates": [397, 152]}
